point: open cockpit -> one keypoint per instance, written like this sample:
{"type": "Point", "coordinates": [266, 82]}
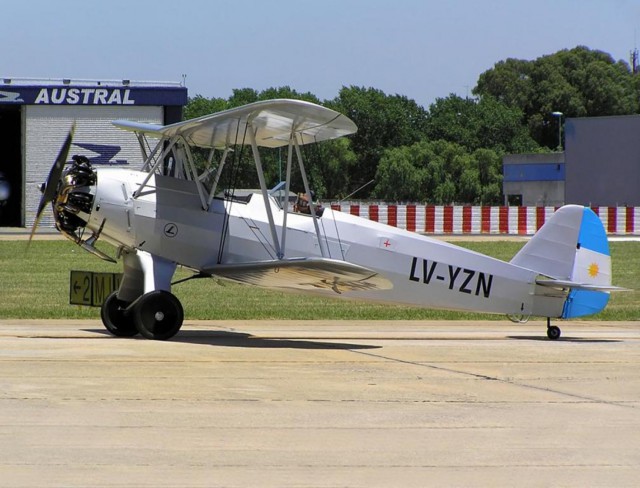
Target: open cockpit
{"type": "Point", "coordinates": [269, 124]}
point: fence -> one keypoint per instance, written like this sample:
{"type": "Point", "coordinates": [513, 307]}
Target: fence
{"type": "Point", "coordinates": [434, 219]}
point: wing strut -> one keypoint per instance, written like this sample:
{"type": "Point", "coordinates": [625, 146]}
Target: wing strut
{"type": "Point", "coordinates": [141, 141]}
{"type": "Point", "coordinates": [194, 176]}
{"type": "Point", "coordinates": [293, 144]}
{"type": "Point", "coordinates": [287, 188]}
{"type": "Point", "coordinates": [216, 180]}
{"type": "Point", "coordinates": [307, 190]}
{"type": "Point", "coordinates": [153, 168]}
{"type": "Point", "coordinates": [264, 191]}
{"type": "Point", "coordinates": [148, 159]}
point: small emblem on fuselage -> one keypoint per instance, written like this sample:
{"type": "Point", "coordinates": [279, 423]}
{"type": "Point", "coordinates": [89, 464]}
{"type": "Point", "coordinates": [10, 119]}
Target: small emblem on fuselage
{"type": "Point", "coordinates": [171, 230]}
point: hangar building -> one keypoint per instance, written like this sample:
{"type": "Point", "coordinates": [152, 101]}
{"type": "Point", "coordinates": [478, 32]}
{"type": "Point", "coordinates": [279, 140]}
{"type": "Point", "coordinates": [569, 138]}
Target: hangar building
{"type": "Point", "coordinates": [603, 161]}
{"type": "Point", "coordinates": [600, 167]}
{"type": "Point", "coordinates": [536, 180]}
{"type": "Point", "coordinates": [36, 115]}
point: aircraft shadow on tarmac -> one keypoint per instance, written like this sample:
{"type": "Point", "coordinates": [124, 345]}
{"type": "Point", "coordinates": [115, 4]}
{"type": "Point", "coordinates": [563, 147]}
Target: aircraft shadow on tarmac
{"type": "Point", "coordinates": [241, 339]}
{"type": "Point", "coordinates": [563, 339]}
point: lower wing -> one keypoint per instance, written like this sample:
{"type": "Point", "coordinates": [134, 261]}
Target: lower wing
{"type": "Point", "coordinates": [303, 274]}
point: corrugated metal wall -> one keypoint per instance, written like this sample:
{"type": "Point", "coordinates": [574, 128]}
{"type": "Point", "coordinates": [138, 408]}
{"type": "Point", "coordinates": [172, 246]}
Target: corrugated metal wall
{"type": "Point", "coordinates": [48, 125]}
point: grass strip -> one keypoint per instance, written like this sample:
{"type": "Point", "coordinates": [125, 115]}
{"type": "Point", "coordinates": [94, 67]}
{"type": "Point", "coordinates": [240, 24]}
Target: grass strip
{"type": "Point", "coordinates": [35, 285]}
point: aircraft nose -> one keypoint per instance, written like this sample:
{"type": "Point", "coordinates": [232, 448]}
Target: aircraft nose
{"type": "Point", "coordinates": [74, 197]}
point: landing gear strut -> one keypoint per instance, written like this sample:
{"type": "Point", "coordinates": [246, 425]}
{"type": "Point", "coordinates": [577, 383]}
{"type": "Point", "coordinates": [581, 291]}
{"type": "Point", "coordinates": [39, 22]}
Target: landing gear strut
{"type": "Point", "coordinates": [155, 315]}
{"type": "Point", "coordinates": [553, 332]}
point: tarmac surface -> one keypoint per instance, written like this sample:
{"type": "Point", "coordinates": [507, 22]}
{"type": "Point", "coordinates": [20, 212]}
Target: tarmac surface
{"type": "Point", "coordinates": [320, 404]}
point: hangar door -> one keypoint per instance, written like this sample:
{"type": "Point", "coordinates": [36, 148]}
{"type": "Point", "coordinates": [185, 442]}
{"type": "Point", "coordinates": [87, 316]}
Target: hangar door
{"type": "Point", "coordinates": [95, 137]}
{"type": "Point", "coordinates": [11, 169]}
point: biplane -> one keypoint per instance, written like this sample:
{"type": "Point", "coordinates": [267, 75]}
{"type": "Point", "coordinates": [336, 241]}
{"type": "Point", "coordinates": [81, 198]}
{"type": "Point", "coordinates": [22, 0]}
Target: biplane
{"type": "Point", "coordinates": [173, 212]}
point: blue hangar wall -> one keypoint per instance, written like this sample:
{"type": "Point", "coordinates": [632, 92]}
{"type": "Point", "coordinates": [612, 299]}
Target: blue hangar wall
{"type": "Point", "coordinates": [35, 117]}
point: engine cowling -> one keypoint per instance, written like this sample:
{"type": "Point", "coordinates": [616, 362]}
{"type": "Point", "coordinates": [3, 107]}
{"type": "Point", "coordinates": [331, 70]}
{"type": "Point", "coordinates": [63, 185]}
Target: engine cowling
{"type": "Point", "coordinates": [74, 198]}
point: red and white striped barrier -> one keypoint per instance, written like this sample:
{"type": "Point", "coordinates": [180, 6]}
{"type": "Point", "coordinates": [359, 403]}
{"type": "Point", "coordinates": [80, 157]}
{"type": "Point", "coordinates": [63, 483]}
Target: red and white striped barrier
{"type": "Point", "coordinates": [449, 219]}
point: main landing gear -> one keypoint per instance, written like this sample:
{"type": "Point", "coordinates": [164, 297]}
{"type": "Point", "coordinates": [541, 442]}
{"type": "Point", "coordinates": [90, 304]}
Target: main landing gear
{"type": "Point", "coordinates": [155, 315]}
{"type": "Point", "coordinates": [553, 331]}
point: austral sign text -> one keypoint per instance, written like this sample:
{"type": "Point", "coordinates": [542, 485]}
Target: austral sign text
{"type": "Point", "coordinates": [84, 96]}
{"type": "Point", "coordinates": [93, 95]}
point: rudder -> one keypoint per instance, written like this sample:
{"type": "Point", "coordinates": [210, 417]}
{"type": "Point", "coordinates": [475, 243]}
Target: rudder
{"type": "Point", "coordinates": [572, 246]}
{"type": "Point", "coordinates": [592, 265]}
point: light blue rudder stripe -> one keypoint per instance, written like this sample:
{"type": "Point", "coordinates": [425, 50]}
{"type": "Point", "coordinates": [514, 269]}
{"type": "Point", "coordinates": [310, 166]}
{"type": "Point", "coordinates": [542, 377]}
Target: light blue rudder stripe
{"type": "Point", "coordinates": [592, 236]}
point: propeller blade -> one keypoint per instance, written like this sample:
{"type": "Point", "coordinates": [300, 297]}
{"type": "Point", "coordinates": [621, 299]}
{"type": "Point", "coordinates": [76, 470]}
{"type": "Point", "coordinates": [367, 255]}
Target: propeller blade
{"type": "Point", "coordinates": [55, 174]}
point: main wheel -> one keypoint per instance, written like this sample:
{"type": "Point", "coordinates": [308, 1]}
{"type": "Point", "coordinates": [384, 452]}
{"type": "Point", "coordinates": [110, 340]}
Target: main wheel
{"type": "Point", "coordinates": [158, 315]}
{"type": "Point", "coordinates": [115, 319]}
{"type": "Point", "coordinates": [553, 332]}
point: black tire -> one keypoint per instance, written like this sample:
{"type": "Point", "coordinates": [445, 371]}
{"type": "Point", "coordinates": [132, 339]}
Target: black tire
{"type": "Point", "coordinates": [158, 315]}
{"type": "Point", "coordinates": [115, 319]}
{"type": "Point", "coordinates": [553, 332]}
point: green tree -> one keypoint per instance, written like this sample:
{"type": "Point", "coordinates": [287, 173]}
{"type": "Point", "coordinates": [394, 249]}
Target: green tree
{"type": "Point", "coordinates": [384, 121]}
{"type": "Point", "coordinates": [579, 82]}
{"type": "Point", "coordinates": [489, 166]}
{"type": "Point", "coordinates": [199, 106]}
{"type": "Point", "coordinates": [242, 96]}
{"type": "Point", "coordinates": [329, 165]}
{"type": "Point", "coordinates": [332, 169]}
{"type": "Point", "coordinates": [474, 124]}
{"type": "Point", "coordinates": [287, 92]}
{"type": "Point", "coordinates": [400, 176]}
{"type": "Point", "coordinates": [439, 172]}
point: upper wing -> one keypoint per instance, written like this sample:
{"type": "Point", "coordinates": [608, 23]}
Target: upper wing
{"type": "Point", "coordinates": [303, 274]}
{"type": "Point", "coordinates": [273, 120]}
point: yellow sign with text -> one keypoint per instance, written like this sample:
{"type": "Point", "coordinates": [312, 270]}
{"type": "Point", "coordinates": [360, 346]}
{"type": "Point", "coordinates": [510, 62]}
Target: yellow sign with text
{"type": "Point", "coordinates": [91, 288]}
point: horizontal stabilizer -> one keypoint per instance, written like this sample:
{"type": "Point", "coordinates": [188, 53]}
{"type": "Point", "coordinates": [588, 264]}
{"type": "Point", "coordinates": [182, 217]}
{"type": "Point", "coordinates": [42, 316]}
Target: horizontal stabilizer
{"type": "Point", "coordinates": [578, 286]}
{"type": "Point", "coordinates": [303, 274]}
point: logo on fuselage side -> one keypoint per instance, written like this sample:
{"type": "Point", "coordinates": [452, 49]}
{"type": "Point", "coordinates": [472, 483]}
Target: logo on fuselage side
{"type": "Point", "coordinates": [171, 230]}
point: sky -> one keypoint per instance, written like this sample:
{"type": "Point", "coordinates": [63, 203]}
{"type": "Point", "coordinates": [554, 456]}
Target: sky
{"type": "Point", "coordinates": [422, 49]}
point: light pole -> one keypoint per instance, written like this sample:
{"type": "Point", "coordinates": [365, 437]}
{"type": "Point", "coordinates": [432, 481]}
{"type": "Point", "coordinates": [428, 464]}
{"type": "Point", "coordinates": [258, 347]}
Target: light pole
{"type": "Point", "coordinates": [559, 115]}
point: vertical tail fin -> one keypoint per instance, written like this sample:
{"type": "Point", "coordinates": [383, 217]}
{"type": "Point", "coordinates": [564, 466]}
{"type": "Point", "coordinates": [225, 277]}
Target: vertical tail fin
{"type": "Point", "coordinates": [572, 247]}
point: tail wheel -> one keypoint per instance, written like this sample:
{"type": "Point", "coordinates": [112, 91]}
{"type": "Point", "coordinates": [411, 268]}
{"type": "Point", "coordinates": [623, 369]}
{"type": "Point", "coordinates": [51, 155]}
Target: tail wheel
{"type": "Point", "coordinates": [553, 332]}
{"type": "Point", "coordinates": [115, 319]}
{"type": "Point", "coordinates": [158, 315]}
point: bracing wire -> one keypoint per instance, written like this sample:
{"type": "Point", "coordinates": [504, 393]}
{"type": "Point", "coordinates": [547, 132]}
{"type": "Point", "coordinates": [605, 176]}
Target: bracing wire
{"type": "Point", "coordinates": [233, 179]}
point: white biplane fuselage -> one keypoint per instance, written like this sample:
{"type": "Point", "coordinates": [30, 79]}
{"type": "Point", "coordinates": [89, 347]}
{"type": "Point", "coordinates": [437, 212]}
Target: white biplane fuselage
{"type": "Point", "coordinates": [166, 221]}
{"type": "Point", "coordinates": [159, 219]}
